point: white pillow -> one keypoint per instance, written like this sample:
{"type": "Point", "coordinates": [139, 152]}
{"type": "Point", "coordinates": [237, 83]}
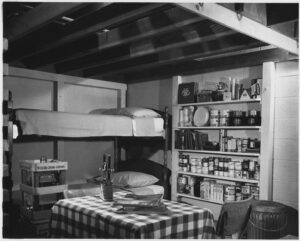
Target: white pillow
{"type": "Point", "coordinates": [132, 179]}
{"type": "Point", "coordinates": [132, 112]}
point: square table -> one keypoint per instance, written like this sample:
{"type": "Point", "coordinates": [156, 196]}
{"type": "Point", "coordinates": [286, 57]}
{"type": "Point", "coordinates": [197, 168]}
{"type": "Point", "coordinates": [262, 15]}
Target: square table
{"type": "Point", "coordinates": [91, 217]}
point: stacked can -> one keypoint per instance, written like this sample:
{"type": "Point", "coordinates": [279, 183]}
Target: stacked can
{"type": "Point", "coordinates": [229, 193]}
{"type": "Point", "coordinates": [214, 118]}
{"type": "Point", "coordinates": [193, 164]}
{"type": "Point", "coordinates": [224, 117]}
{"type": "Point", "coordinates": [248, 190]}
{"type": "Point", "coordinates": [183, 163]}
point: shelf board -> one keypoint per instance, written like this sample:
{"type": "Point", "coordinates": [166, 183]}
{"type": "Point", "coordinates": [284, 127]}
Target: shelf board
{"type": "Point", "coordinates": [219, 177]}
{"type": "Point", "coordinates": [197, 198]}
{"type": "Point", "coordinates": [219, 127]}
{"type": "Point", "coordinates": [222, 102]}
{"type": "Point", "coordinates": [221, 153]}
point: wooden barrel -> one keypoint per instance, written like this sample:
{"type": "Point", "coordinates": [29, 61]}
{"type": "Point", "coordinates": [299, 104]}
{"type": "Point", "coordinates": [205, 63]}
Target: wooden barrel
{"type": "Point", "coordinates": [268, 220]}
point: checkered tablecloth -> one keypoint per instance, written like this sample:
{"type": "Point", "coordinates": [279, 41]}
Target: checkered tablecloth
{"type": "Point", "coordinates": [90, 217]}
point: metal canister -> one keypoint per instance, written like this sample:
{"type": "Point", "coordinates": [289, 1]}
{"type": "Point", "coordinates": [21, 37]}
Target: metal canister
{"type": "Point", "coordinates": [231, 165]}
{"type": "Point", "coordinates": [229, 190]}
{"type": "Point", "coordinates": [245, 174]}
{"type": "Point", "coordinates": [211, 166]}
{"type": "Point", "coordinates": [238, 174]}
{"type": "Point", "coordinates": [239, 145]}
{"type": "Point", "coordinates": [231, 173]}
{"type": "Point", "coordinates": [224, 117]}
{"type": "Point", "coordinates": [225, 143]}
{"type": "Point", "coordinates": [204, 162]}
{"type": "Point", "coordinates": [193, 161]}
{"type": "Point", "coordinates": [205, 170]}
{"type": "Point", "coordinates": [238, 166]}
{"type": "Point", "coordinates": [181, 184]}
{"type": "Point", "coordinates": [229, 198]}
{"type": "Point", "coordinates": [246, 189]}
{"type": "Point", "coordinates": [251, 144]}
{"type": "Point", "coordinates": [244, 145]}
{"type": "Point", "coordinates": [193, 168]}
{"type": "Point", "coordinates": [214, 118]}
{"type": "Point", "coordinates": [199, 169]}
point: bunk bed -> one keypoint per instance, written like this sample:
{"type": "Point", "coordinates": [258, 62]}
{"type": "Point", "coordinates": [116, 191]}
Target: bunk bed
{"type": "Point", "coordinates": [116, 123]}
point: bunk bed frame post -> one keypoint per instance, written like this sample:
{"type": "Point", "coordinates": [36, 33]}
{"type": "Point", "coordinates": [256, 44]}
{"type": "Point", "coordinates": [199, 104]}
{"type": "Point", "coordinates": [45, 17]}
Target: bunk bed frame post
{"type": "Point", "coordinates": [166, 146]}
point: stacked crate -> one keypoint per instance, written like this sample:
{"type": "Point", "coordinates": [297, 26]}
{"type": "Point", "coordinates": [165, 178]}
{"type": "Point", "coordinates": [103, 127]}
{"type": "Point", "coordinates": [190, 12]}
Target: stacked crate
{"type": "Point", "coordinates": [43, 183]}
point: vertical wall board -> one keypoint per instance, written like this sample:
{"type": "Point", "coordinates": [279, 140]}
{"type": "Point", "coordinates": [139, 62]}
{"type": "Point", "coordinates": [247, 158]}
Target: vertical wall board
{"type": "Point", "coordinates": [286, 134]}
{"type": "Point", "coordinates": [286, 169]}
{"type": "Point", "coordinates": [286, 190]}
{"type": "Point", "coordinates": [289, 68]}
{"type": "Point", "coordinates": [286, 149]}
{"type": "Point", "coordinates": [286, 128]}
{"type": "Point", "coordinates": [286, 108]}
{"type": "Point", "coordinates": [287, 86]}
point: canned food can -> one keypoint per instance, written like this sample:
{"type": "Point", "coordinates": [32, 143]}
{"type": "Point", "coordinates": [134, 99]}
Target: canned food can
{"type": "Point", "coordinates": [225, 174]}
{"type": "Point", "coordinates": [238, 166]}
{"type": "Point", "coordinates": [224, 121]}
{"type": "Point", "coordinates": [185, 160]}
{"type": "Point", "coordinates": [246, 189]}
{"type": "Point", "coordinates": [193, 161]}
{"type": "Point", "coordinates": [231, 173]}
{"type": "Point", "coordinates": [193, 169]}
{"type": "Point", "coordinates": [205, 170]}
{"type": "Point", "coordinates": [221, 173]}
{"type": "Point", "coordinates": [229, 190]}
{"type": "Point", "coordinates": [245, 174]}
{"type": "Point", "coordinates": [199, 161]}
{"type": "Point", "coordinates": [252, 165]}
{"type": "Point", "coordinates": [204, 163]}
{"type": "Point", "coordinates": [182, 180]}
{"type": "Point", "coordinates": [231, 165]}
{"type": "Point", "coordinates": [237, 174]}
{"type": "Point", "coordinates": [229, 198]}
{"type": "Point", "coordinates": [214, 118]}
{"type": "Point", "coordinates": [216, 172]}
{"type": "Point", "coordinates": [238, 196]}
{"type": "Point", "coordinates": [199, 169]}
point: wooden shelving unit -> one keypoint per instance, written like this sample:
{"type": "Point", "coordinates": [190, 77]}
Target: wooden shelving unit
{"type": "Point", "coordinates": [263, 132]}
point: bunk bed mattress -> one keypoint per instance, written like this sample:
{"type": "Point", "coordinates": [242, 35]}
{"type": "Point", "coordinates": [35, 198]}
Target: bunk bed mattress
{"type": "Point", "coordinates": [64, 124]}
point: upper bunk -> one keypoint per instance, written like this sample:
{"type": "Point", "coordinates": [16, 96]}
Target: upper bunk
{"type": "Point", "coordinates": [137, 122]}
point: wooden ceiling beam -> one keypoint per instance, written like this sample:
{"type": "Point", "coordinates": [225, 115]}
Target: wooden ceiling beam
{"type": "Point", "coordinates": [135, 50]}
{"type": "Point", "coordinates": [230, 19]}
{"type": "Point", "coordinates": [164, 22]}
{"type": "Point", "coordinates": [38, 17]}
{"type": "Point", "coordinates": [153, 25]}
{"type": "Point", "coordinates": [122, 18]}
{"type": "Point", "coordinates": [176, 55]}
{"type": "Point", "coordinates": [258, 56]}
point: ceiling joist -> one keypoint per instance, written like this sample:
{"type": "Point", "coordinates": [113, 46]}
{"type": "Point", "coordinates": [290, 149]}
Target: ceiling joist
{"type": "Point", "coordinates": [38, 17]}
{"type": "Point", "coordinates": [230, 19]}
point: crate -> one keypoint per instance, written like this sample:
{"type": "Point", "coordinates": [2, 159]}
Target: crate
{"type": "Point", "coordinates": [35, 229]}
{"type": "Point", "coordinates": [33, 215]}
{"type": "Point", "coordinates": [36, 174]}
{"type": "Point", "coordinates": [39, 202]}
